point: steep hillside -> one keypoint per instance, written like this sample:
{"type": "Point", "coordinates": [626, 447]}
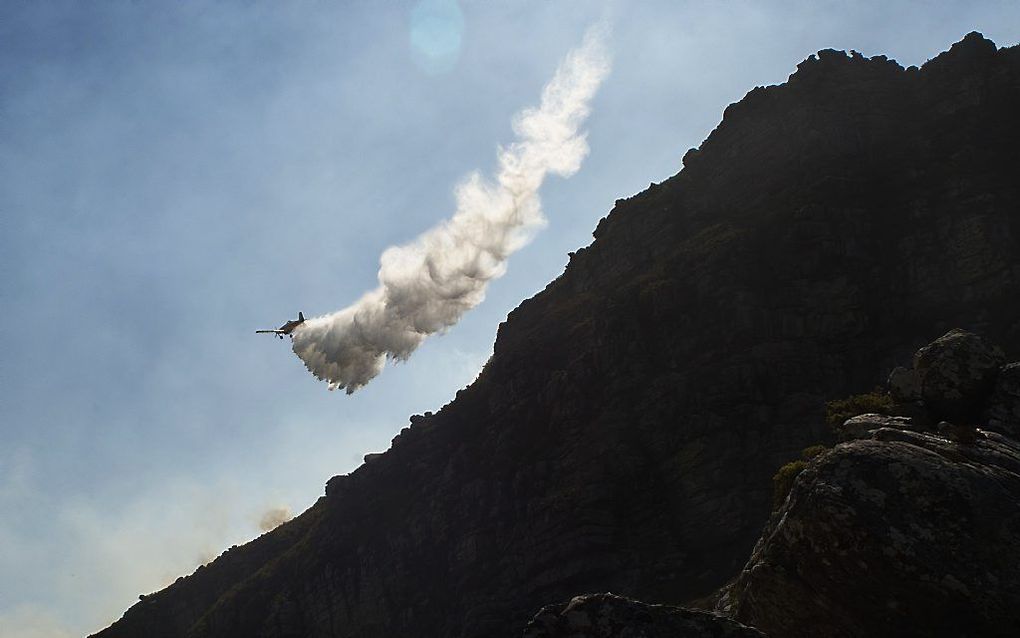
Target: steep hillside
{"type": "Point", "coordinates": [623, 436]}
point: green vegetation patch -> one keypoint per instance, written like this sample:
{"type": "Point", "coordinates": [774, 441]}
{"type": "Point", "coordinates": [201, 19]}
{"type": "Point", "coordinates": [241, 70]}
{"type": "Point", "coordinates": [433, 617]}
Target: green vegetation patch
{"type": "Point", "coordinates": [782, 482]}
{"type": "Point", "coordinates": [876, 402]}
{"type": "Point", "coordinates": [809, 453]}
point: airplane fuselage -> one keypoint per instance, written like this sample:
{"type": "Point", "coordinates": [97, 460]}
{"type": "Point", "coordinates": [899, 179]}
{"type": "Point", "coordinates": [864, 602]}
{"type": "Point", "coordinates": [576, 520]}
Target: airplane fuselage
{"type": "Point", "coordinates": [286, 328]}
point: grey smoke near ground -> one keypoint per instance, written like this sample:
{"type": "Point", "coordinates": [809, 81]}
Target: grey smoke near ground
{"type": "Point", "coordinates": [428, 284]}
{"type": "Point", "coordinates": [274, 517]}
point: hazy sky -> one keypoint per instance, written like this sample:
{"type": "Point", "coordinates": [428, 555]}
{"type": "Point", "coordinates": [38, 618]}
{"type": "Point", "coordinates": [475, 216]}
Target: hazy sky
{"type": "Point", "coordinates": [175, 175]}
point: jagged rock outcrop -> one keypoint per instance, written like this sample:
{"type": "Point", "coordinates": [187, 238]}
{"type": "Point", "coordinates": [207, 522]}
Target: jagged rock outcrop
{"type": "Point", "coordinates": [609, 616]}
{"type": "Point", "coordinates": [910, 534]}
{"type": "Point", "coordinates": [900, 532]}
{"type": "Point", "coordinates": [623, 435]}
{"type": "Point", "coordinates": [957, 383]}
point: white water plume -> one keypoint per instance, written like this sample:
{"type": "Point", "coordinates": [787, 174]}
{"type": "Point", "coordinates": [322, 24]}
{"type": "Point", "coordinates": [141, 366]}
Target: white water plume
{"type": "Point", "coordinates": [428, 284]}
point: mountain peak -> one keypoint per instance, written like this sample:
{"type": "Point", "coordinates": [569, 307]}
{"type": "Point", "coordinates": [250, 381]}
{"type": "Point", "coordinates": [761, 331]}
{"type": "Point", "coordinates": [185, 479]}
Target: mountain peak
{"type": "Point", "coordinates": [625, 432]}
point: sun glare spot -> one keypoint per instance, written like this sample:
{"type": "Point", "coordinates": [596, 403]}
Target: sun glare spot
{"type": "Point", "coordinates": [436, 30]}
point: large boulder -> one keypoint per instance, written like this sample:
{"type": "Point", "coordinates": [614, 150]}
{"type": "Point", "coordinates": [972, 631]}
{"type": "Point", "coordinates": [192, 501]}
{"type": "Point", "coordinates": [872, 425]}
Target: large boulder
{"type": "Point", "coordinates": [903, 384]}
{"type": "Point", "coordinates": [956, 373]}
{"type": "Point", "coordinates": [609, 616]}
{"type": "Point", "coordinates": [909, 534]}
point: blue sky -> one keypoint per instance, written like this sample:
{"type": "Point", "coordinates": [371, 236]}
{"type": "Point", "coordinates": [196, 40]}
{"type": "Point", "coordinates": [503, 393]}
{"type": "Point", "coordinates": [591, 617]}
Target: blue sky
{"type": "Point", "coordinates": [175, 175]}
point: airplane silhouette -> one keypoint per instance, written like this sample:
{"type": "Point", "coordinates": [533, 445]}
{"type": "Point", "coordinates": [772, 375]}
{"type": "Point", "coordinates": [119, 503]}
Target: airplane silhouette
{"type": "Point", "coordinates": [286, 328]}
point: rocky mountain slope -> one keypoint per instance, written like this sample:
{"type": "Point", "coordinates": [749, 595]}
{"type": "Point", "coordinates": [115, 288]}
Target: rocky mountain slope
{"type": "Point", "coordinates": [623, 436]}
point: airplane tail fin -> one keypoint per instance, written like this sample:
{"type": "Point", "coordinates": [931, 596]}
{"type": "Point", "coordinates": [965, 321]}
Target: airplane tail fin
{"type": "Point", "coordinates": [300, 316]}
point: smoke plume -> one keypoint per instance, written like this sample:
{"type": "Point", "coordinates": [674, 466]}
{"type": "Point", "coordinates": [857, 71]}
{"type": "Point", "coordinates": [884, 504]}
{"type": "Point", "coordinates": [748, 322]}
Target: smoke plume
{"type": "Point", "coordinates": [428, 284]}
{"type": "Point", "coordinates": [273, 518]}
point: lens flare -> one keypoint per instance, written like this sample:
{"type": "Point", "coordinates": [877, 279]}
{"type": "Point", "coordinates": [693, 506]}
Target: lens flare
{"type": "Point", "coordinates": [437, 27]}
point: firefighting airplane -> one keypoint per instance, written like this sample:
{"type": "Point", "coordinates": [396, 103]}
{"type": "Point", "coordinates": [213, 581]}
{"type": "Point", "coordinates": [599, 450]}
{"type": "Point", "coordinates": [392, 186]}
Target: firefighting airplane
{"type": "Point", "coordinates": [286, 328]}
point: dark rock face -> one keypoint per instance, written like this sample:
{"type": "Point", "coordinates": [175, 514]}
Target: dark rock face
{"type": "Point", "coordinates": [623, 436]}
{"type": "Point", "coordinates": [1003, 413]}
{"type": "Point", "coordinates": [609, 616]}
{"type": "Point", "coordinates": [907, 535]}
{"type": "Point", "coordinates": [956, 373]}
